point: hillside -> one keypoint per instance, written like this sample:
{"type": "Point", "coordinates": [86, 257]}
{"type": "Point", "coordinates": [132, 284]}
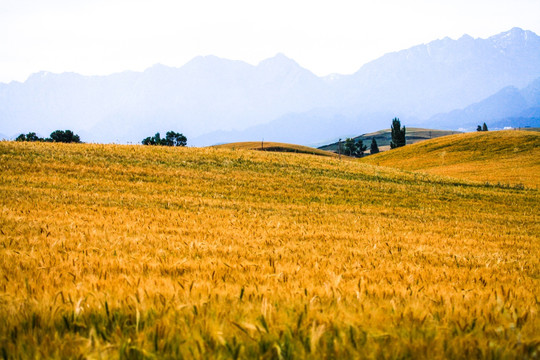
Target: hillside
{"type": "Point", "coordinates": [111, 251]}
{"type": "Point", "coordinates": [383, 137]}
{"type": "Point", "coordinates": [274, 146]}
{"type": "Point", "coordinates": [508, 157]}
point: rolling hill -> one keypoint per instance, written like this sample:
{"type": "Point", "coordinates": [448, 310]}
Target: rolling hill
{"type": "Point", "coordinates": [383, 137]}
{"type": "Point", "coordinates": [507, 157]}
{"type": "Point", "coordinates": [274, 146]}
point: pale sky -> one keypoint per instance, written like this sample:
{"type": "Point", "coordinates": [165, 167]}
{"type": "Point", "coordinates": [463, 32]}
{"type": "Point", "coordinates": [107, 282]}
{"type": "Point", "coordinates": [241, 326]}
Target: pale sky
{"type": "Point", "coordinates": [99, 37]}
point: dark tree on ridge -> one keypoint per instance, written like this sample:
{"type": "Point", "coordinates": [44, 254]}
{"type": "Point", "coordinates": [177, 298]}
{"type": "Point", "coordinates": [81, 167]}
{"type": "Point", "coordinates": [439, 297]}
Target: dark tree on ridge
{"type": "Point", "coordinates": [171, 139]}
{"type": "Point", "coordinates": [354, 148]}
{"type": "Point", "coordinates": [398, 134]}
{"type": "Point", "coordinates": [482, 128]}
{"type": "Point", "coordinates": [63, 136]}
{"type": "Point", "coordinates": [31, 136]}
{"type": "Point", "coordinates": [66, 136]}
{"type": "Point", "coordinates": [374, 149]}
{"type": "Point", "coordinates": [350, 147]}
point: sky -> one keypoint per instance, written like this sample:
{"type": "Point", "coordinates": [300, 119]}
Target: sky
{"type": "Point", "coordinates": [100, 37]}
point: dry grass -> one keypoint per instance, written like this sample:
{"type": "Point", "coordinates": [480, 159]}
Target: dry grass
{"type": "Point", "coordinates": [506, 157]}
{"type": "Point", "coordinates": [152, 252]}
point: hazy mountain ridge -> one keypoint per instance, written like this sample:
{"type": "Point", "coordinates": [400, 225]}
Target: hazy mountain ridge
{"type": "Point", "coordinates": [316, 127]}
{"type": "Point", "coordinates": [508, 107]}
{"type": "Point", "coordinates": [445, 74]}
{"type": "Point", "coordinates": [231, 100]}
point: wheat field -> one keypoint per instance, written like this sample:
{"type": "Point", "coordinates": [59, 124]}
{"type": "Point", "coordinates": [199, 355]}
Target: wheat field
{"type": "Point", "coordinates": [132, 252]}
{"type": "Point", "coordinates": [510, 157]}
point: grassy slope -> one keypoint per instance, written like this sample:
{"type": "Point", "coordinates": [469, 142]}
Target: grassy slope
{"type": "Point", "coordinates": [383, 137]}
{"type": "Point", "coordinates": [132, 251]}
{"type": "Point", "coordinates": [509, 157]}
{"type": "Point", "coordinates": [275, 147]}
{"type": "Point", "coordinates": [530, 129]}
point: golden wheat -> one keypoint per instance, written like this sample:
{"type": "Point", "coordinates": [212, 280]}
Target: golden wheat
{"type": "Point", "coordinates": [507, 157]}
{"type": "Point", "coordinates": [141, 252]}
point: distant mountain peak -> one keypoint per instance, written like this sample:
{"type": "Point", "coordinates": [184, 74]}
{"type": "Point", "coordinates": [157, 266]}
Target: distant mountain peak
{"type": "Point", "coordinates": [278, 60]}
{"type": "Point", "coordinates": [43, 76]}
{"type": "Point", "coordinates": [204, 60]}
{"type": "Point", "coordinates": [513, 36]}
{"type": "Point", "coordinates": [214, 64]}
{"type": "Point", "coordinates": [465, 37]}
{"type": "Point", "coordinates": [516, 31]}
{"type": "Point", "coordinates": [38, 76]}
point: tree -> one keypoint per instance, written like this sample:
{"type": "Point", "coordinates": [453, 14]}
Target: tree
{"type": "Point", "coordinates": [482, 128]}
{"type": "Point", "coordinates": [154, 140]}
{"type": "Point", "coordinates": [350, 147]}
{"type": "Point", "coordinates": [158, 140]}
{"type": "Point", "coordinates": [148, 141]}
{"type": "Point", "coordinates": [398, 134]}
{"type": "Point", "coordinates": [31, 136]}
{"type": "Point", "coordinates": [361, 148]}
{"type": "Point", "coordinates": [171, 139]}
{"type": "Point", "coordinates": [374, 149]}
{"type": "Point", "coordinates": [175, 139]}
{"type": "Point", "coordinates": [354, 148]}
{"type": "Point", "coordinates": [66, 136]}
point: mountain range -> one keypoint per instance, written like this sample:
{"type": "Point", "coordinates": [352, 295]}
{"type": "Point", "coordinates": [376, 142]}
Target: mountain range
{"type": "Point", "coordinates": [445, 83]}
{"type": "Point", "coordinates": [508, 107]}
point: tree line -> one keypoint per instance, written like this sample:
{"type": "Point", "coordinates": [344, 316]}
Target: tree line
{"type": "Point", "coordinates": [67, 136]}
{"type": "Point", "coordinates": [171, 139]}
{"type": "Point", "coordinates": [352, 147]}
{"type": "Point", "coordinates": [356, 147]}
{"type": "Point", "coordinates": [482, 128]}
{"type": "Point", "coordinates": [63, 136]}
